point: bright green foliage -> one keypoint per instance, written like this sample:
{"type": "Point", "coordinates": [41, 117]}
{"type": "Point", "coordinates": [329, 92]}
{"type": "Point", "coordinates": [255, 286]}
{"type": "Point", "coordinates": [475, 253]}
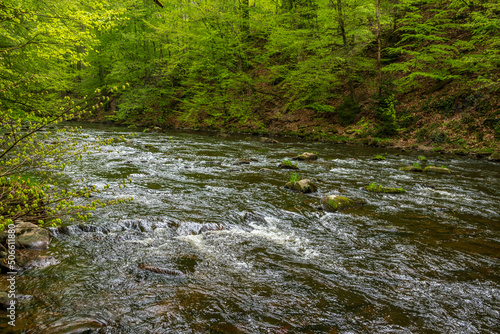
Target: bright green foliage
{"type": "Point", "coordinates": [378, 157]}
{"type": "Point", "coordinates": [41, 44]}
{"type": "Point", "coordinates": [386, 113]}
{"type": "Point", "coordinates": [216, 63]}
{"type": "Point", "coordinates": [288, 163]}
{"type": "Point", "coordinates": [295, 177]}
{"type": "Point", "coordinates": [377, 188]}
{"type": "Point", "coordinates": [426, 30]}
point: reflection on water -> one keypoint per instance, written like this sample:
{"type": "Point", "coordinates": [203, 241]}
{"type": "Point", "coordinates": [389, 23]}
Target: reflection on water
{"type": "Point", "coordinates": [212, 247]}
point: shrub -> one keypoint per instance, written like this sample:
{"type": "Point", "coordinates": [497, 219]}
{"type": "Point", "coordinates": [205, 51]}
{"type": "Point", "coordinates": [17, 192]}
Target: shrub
{"type": "Point", "coordinates": [347, 111]}
{"type": "Point", "coordinates": [295, 177]}
{"type": "Point", "coordinates": [386, 114]}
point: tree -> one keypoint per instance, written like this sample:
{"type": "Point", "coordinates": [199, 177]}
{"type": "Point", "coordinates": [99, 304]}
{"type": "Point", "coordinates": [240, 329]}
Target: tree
{"type": "Point", "coordinates": [432, 52]}
{"type": "Point", "coordinates": [42, 42]}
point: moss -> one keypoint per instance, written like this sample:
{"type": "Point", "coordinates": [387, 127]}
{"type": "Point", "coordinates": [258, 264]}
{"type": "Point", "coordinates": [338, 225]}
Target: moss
{"type": "Point", "coordinates": [377, 188]}
{"type": "Point", "coordinates": [422, 158]}
{"type": "Point", "coordinates": [378, 157]}
{"type": "Point", "coordinates": [437, 170]}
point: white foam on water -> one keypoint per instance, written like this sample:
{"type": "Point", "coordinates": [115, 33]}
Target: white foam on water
{"type": "Point", "coordinates": [343, 171]}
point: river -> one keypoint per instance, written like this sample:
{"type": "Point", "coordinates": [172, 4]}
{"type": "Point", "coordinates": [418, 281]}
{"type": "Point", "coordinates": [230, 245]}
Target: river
{"type": "Point", "coordinates": [207, 246]}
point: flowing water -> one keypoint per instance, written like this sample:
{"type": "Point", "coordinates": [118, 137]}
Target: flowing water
{"type": "Point", "coordinates": [211, 247]}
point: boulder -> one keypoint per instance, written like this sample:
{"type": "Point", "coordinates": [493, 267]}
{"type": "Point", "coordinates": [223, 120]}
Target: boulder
{"type": "Point", "coordinates": [35, 239]}
{"type": "Point", "coordinates": [304, 186]}
{"type": "Point", "coordinates": [438, 170]}
{"type": "Point", "coordinates": [31, 236]}
{"type": "Point", "coordinates": [22, 227]}
{"type": "Point", "coordinates": [306, 156]}
{"type": "Point", "coordinates": [332, 203]}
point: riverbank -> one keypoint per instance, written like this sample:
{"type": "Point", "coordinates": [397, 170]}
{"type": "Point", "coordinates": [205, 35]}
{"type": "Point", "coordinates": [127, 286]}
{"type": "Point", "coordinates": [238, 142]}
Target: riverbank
{"type": "Point", "coordinates": [448, 119]}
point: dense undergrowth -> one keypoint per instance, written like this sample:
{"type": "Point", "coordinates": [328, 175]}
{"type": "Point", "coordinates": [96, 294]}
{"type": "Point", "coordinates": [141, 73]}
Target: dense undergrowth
{"type": "Point", "coordinates": [309, 68]}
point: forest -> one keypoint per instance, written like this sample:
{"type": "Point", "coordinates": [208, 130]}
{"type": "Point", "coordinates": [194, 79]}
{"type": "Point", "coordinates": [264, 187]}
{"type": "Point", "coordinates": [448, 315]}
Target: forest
{"type": "Point", "coordinates": [422, 72]}
{"type": "Point", "coordinates": [249, 166]}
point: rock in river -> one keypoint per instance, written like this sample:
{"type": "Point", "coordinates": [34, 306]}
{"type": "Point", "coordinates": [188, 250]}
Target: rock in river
{"type": "Point", "coordinates": [306, 156]}
{"type": "Point", "coordinates": [31, 236]}
{"type": "Point", "coordinates": [241, 162]}
{"type": "Point", "coordinates": [377, 188]}
{"type": "Point", "coordinates": [268, 140]}
{"type": "Point", "coordinates": [304, 186]}
{"type": "Point", "coordinates": [412, 169]}
{"type": "Point", "coordinates": [287, 164]}
{"type": "Point", "coordinates": [437, 170]}
{"type": "Point", "coordinates": [332, 203]}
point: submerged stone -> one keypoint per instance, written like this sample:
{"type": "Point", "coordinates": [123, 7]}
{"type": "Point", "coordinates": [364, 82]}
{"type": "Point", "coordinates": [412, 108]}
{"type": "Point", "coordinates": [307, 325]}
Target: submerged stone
{"type": "Point", "coordinates": [241, 162]}
{"type": "Point", "coordinates": [438, 170]}
{"type": "Point", "coordinates": [304, 186]}
{"type": "Point", "coordinates": [158, 270]}
{"type": "Point", "coordinates": [332, 203]}
{"type": "Point", "coordinates": [374, 188]}
{"type": "Point", "coordinates": [268, 140]}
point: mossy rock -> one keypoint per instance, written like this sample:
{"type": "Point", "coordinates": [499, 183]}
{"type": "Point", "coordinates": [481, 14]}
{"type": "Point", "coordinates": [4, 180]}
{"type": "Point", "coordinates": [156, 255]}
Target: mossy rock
{"type": "Point", "coordinates": [35, 239]}
{"type": "Point", "coordinates": [494, 157]}
{"type": "Point", "coordinates": [437, 170]}
{"type": "Point", "coordinates": [378, 157]}
{"type": "Point", "coordinates": [412, 169]}
{"type": "Point", "coordinates": [287, 166]}
{"type": "Point", "coordinates": [306, 156]}
{"type": "Point", "coordinates": [333, 203]}
{"type": "Point", "coordinates": [304, 186]}
{"type": "Point", "coordinates": [374, 188]}
{"type": "Point", "coordinates": [422, 158]}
